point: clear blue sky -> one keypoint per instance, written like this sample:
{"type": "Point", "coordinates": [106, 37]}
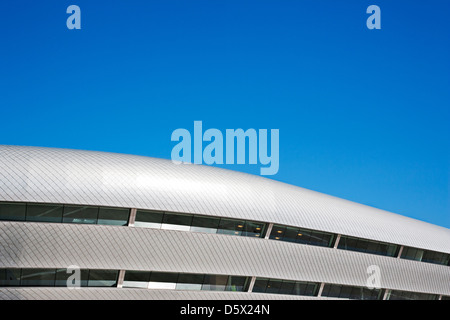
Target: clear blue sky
{"type": "Point", "coordinates": [363, 114]}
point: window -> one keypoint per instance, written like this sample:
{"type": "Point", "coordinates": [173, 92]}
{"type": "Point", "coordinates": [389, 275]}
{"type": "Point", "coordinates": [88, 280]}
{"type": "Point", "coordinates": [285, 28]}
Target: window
{"type": "Point", "coordinates": [188, 281]}
{"type": "Point", "coordinates": [231, 227]}
{"type": "Point", "coordinates": [37, 277]}
{"type": "Point", "coordinates": [113, 216]}
{"type": "Point", "coordinates": [237, 283]}
{"type": "Point", "coordinates": [62, 276]}
{"type": "Point", "coordinates": [175, 221]}
{"type": "Point", "coordinates": [303, 236]}
{"type": "Point", "coordinates": [44, 213]}
{"type": "Point", "coordinates": [163, 280]}
{"type": "Point", "coordinates": [148, 219]}
{"type": "Point", "coordinates": [80, 214]}
{"type": "Point", "coordinates": [9, 277]}
{"type": "Point", "coordinates": [349, 292]}
{"type": "Point", "coordinates": [368, 246]}
{"type": "Point", "coordinates": [277, 286]}
{"type": "Point", "coordinates": [253, 229]}
{"type": "Point", "coordinates": [12, 211]}
{"type": "Point", "coordinates": [136, 279]}
{"type": "Point", "coordinates": [102, 278]}
{"type": "Point", "coordinates": [407, 295]}
{"type": "Point", "coordinates": [260, 285]}
{"type": "Point", "coordinates": [205, 224]}
{"type": "Point", "coordinates": [215, 282]}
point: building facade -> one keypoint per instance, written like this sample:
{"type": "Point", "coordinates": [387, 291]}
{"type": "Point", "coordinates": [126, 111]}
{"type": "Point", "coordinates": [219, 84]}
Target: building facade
{"type": "Point", "coordinates": [132, 227]}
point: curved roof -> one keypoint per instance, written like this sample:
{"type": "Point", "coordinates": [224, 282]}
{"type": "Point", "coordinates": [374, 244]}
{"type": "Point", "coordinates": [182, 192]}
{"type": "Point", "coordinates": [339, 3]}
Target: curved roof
{"type": "Point", "coordinates": [34, 174]}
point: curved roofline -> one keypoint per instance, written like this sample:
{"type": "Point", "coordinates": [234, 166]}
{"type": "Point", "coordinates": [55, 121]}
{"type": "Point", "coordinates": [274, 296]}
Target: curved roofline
{"type": "Point", "coordinates": [51, 175]}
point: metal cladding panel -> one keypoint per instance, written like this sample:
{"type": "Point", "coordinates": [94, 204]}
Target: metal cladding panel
{"type": "Point", "coordinates": [95, 178]}
{"type": "Point", "coordinates": [135, 294]}
{"type": "Point", "coordinates": [45, 245]}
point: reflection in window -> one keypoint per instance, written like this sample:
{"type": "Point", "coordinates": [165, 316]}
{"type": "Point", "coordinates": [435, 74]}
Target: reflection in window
{"type": "Point", "coordinates": [407, 295]}
{"type": "Point", "coordinates": [9, 277]}
{"type": "Point", "coordinates": [44, 213]}
{"type": "Point", "coordinates": [277, 286]}
{"type": "Point", "coordinates": [198, 223]}
{"type": "Point", "coordinates": [39, 277]}
{"type": "Point", "coordinates": [350, 292]}
{"type": "Point", "coordinates": [189, 281]}
{"type": "Point", "coordinates": [62, 276]}
{"type": "Point", "coordinates": [136, 279]}
{"type": "Point", "coordinates": [185, 281]}
{"type": "Point", "coordinates": [176, 221]}
{"type": "Point", "coordinates": [113, 216]}
{"type": "Point", "coordinates": [102, 278]}
{"type": "Point", "coordinates": [425, 256]}
{"type": "Point", "coordinates": [148, 219]}
{"type": "Point", "coordinates": [368, 246]}
{"type": "Point", "coordinates": [12, 211]}
{"type": "Point", "coordinates": [80, 214]}
{"type": "Point", "coordinates": [298, 235]}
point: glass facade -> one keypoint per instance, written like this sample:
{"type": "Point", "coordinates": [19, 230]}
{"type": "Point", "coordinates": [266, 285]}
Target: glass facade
{"type": "Point", "coordinates": [350, 292]}
{"type": "Point", "coordinates": [426, 256]}
{"type": "Point", "coordinates": [184, 281]}
{"type": "Point", "coordinates": [79, 214]}
{"type": "Point", "coordinates": [368, 246]}
{"type": "Point", "coordinates": [197, 223]}
{"type": "Point", "coordinates": [63, 213]}
{"type": "Point", "coordinates": [277, 286]}
{"type": "Point", "coordinates": [56, 277]}
{"type": "Point", "coordinates": [407, 295]}
{"type": "Point", "coordinates": [298, 235]}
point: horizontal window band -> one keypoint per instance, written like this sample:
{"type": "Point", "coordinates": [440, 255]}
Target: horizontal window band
{"type": "Point", "coordinates": [83, 214]}
{"type": "Point", "coordinates": [64, 277]}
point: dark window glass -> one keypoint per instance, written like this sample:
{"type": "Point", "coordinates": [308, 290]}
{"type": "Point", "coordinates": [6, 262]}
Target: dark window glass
{"type": "Point", "coordinates": [62, 276]}
{"type": "Point", "coordinates": [273, 286]}
{"type": "Point", "coordinates": [9, 277]}
{"type": "Point", "coordinates": [304, 237]}
{"type": "Point", "coordinates": [143, 276]}
{"type": "Point", "coordinates": [260, 285]}
{"type": "Point", "coordinates": [277, 232]}
{"type": "Point", "coordinates": [331, 290]}
{"type": "Point", "coordinates": [113, 216]}
{"type": "Point", "coordinates": [205, 224]}
{"type": "Point", "coordinates": [102, 278]}
{"type": "Point", "coordinates": [412, 253]}
{"type": "Point", "coordinates": [253, 229]}
{"type": "Point", "coordinates": [311, 289]}
{"type": "Point", "coordinates": [435, 257]}
{"type": "Point", "coordinates": [37, 277]}
{"type": "Point", "coordinates": [215, 282]}
{"type": "Point", "coordinates": [346, 292]}
{"type": "Point", "coordinates": [290, 234]}
{"type": "Point", "coordinates": [237, 283]}
{"type": "Point", "coordinates": [445, 298]}
{"type": "Point", "coordinates": [44, 213]}
{"type": "Point", "coordinates": [373, 247]}
{"type": "Point", "coordinates": [12, 211]}
{"type": "Point", "coordinates": [148, 219]}
{"type": "Point", "coordinates": [175, 221]}
{"type": "Point", "coordinates": [231, 226]}
{"type": "Point", "coordinates": [404, 295]}
{"type": "Point", "coordinates": [287, 287]}
{"type": "Point", "coordinates": [80, 214]}
{"type": "Point", "coordinates": [164, 277]}
{"type": "Point", "coordinates": [188, 281]}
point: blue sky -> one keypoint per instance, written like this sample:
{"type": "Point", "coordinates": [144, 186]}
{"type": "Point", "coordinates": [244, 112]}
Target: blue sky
{"type": "Point", "coordinates": [363, 114]}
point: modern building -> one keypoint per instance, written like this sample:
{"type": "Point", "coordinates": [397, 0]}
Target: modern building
{"type": "Point", "coordinates": [133, 227]}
